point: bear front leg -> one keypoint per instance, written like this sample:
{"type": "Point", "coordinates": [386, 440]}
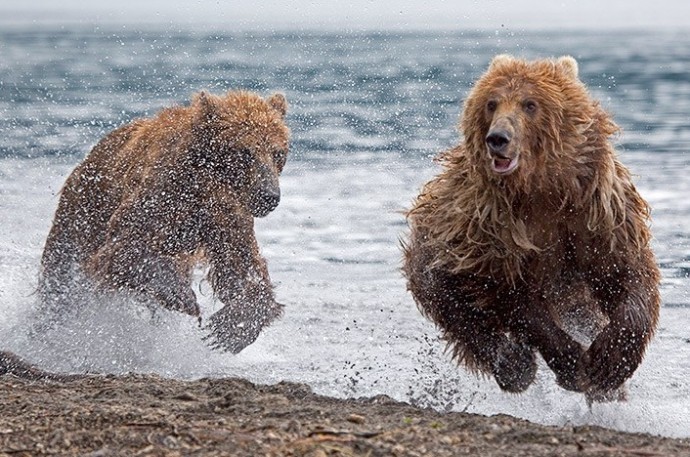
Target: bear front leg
{"type": "Point", "coordinates": [630, 297]}
{"type": "Point", "coordinates": [240, 280]}
{"type": "Point", "coordinates": [238, 324]}
{"type": "Point", "coordinates": [249, 307]}
{"type": "Point", "coordinates": [138, 268]}
{"type": "Point", "coordinates": [533, 324]}
{"type": "Point", "coordinates": [462, 306]}
{"type": "Point", "coordinates": [480, 346]}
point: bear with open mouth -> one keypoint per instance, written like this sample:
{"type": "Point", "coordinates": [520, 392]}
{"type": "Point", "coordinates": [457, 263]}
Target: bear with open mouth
{"type": "Point", "coordinates": [533, 238]}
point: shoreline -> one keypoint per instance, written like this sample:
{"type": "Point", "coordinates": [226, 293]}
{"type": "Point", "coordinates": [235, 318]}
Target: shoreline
{"type": "Point", "coordinates": [150, 415]}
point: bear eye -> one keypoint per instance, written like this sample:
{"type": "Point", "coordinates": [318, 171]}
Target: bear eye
{"type": "Point", "coordinates": [245, 155]}
{"type": "Point", "coordinates": [491, 106]}
{"type": "Point", "coordinates": [530, 106]}
{"type": "Point", "coordinates": [281, 155]}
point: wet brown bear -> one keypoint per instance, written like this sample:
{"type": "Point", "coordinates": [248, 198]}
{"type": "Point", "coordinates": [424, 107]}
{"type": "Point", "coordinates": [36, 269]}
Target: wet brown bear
{"type": "Point", "coordinates": [158, 195]}
{"type": "Point", "coordinates": [534, 238]}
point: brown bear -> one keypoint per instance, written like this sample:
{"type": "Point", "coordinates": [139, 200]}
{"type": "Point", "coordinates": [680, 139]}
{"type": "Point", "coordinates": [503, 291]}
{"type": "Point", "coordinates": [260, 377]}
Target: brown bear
{"type": "Point", "coordinates": [158, 195]}
{"type": "Point", "coordinates": [534, 238]}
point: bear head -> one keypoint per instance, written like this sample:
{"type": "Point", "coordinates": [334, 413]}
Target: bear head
{"type": "Point", "coordinates": [527, 122]}
{"type": "Point", "coordinates": [243, 142]}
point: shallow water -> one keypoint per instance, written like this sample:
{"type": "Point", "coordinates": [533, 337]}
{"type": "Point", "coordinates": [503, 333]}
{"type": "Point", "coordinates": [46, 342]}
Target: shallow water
{"type": "Point", "coordinates": [368, 111]}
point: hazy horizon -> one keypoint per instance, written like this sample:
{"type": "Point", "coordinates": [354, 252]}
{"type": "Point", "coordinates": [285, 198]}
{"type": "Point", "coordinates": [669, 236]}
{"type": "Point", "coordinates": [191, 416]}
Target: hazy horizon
{"type": "Point", "coordinates": [360, 14]}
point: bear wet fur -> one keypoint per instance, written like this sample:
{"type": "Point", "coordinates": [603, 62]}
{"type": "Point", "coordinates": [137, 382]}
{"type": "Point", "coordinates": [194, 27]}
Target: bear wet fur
{"type": "Point", "coordinates": [533, 237]}
{"type": "Point", "coordinates": [158, 195]}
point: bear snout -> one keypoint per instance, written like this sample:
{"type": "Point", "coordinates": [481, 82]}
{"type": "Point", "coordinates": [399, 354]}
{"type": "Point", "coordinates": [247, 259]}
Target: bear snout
{"type": "Point", "coordinates": [266, 191]}
{"type": "Point", "coordinates": [497, 141]}
{"type": "Point", "coordinates": [265, 201]}
{"type": "Point", "coordinates": [504, 158]}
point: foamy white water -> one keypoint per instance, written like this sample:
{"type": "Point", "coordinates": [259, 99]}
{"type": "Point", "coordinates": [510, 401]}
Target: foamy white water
{"type": "Point", "coordinates": [350, 327]}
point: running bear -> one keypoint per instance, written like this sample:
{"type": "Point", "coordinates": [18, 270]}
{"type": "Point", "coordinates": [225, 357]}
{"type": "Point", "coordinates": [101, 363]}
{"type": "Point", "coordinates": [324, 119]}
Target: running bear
{"type": "Point", "coordinates": [533, 237]}
{"type": "Point", "coordinates": [155, 197]}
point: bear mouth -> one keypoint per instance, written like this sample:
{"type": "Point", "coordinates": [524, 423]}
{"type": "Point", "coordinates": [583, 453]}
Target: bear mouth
{"type": "Point", "coordinates": [503, 165]}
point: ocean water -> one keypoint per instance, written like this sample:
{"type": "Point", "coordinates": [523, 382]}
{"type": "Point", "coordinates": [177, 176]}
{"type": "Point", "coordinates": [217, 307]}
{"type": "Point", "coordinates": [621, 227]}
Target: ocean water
{"type": "Point", "coordinates": [368, 112]}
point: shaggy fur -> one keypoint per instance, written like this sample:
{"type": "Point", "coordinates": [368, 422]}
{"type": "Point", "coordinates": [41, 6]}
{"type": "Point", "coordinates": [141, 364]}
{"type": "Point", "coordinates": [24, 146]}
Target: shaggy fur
{"type": "Point", "coordinates": [158, 195]}
{"type": "Point", "coordinates": [534, 234]}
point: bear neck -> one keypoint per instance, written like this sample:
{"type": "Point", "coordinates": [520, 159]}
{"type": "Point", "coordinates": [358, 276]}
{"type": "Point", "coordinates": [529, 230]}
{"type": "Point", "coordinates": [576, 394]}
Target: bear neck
{"type": "Point", "coordinates": [494, 226]}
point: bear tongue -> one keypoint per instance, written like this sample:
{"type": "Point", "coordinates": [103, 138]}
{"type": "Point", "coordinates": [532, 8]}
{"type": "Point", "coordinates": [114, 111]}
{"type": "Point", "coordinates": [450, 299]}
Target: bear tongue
{"type": "Point", "coordinates": [502, 164]}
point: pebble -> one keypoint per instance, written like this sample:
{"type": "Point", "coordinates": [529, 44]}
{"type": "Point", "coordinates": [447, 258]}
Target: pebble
{"type": "Point", "coordinates": [355, 419]}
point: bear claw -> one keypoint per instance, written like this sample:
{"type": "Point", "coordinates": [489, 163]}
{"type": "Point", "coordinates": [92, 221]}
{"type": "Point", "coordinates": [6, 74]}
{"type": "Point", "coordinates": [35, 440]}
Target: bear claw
{"type": "Point", "coordinates": [515, 367]}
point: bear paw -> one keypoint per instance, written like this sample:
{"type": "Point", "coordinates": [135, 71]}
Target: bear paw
{"type": "Point", "coordinates": [235, 327]}
{"type": "Point", "coordinates": [514, 367]}
{"type": "Point", "coordinates": [612, 358]}
{"type": "Point", "coordinates": [184, 302]}
{"type": "Point", "coordinates": [566, 362]}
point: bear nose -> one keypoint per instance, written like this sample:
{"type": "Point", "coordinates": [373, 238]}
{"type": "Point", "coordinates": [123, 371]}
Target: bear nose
{"type": "Point", "coordinates": [265, 202]}
{"type": "Point", "coordinates": [497, 140]}
{"type": "Point", "coordinates": [271, 200]}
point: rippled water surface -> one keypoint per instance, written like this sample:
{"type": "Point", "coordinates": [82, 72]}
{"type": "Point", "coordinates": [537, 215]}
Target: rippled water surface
{"type": "Point", "coordinates": [368, 112]}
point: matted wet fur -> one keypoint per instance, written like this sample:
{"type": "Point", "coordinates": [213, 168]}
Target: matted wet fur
{"type": "Point", "coordinates": [158, 195]}
{"type": "Point", "coordinates": [534, 232]}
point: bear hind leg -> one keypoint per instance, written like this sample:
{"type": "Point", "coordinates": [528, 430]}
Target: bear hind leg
{"type": "Point", "coordinates": [143, 271]}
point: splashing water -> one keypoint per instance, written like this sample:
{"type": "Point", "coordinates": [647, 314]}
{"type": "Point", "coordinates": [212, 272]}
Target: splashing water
{"type": "Point", "coordinates": [367, 112]}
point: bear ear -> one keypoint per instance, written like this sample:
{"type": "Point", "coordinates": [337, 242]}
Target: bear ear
{"type": "Point", "coordinates": [568, 65]}
{"type": "Point", "coordinates": [500, 60]}
{"type": "Point", "coordinates": [278, 103]}
{"type": "Point", "coordinates": [206, 104]}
